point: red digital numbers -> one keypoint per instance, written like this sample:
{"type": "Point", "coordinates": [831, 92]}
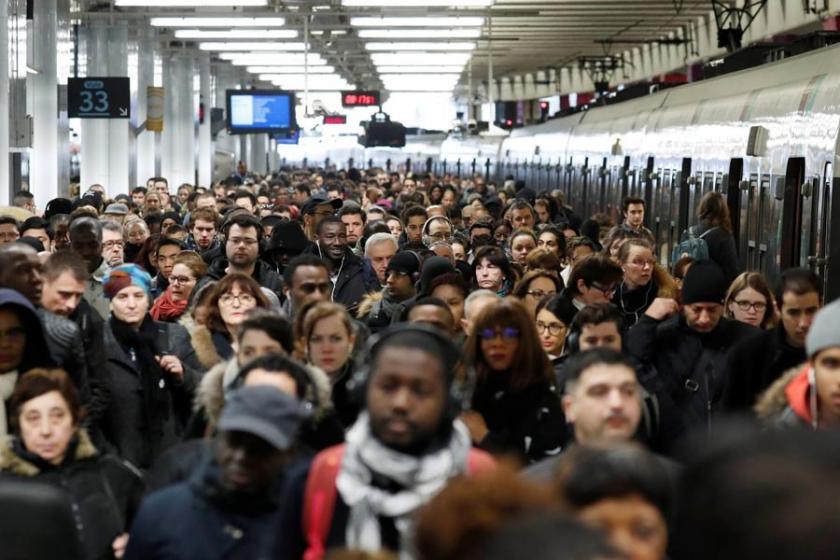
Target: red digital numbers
{"type": "Point", "coordinates": [360, 98]}
{"type": "Point", "coordinates": [335, 119]}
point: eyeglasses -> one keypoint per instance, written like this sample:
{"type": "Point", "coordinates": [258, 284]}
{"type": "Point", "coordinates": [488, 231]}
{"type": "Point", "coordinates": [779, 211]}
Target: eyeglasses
{"type": "Point", "coordinates": [642, 263]}
{"type": "Point", "coordinates": [113, 245]}
{"type": "Point", "coordinates": [184, 280]}
{"type": "Point", "coordinates": [747, 305]}
{"type": "Point", "coordinates": [539, 294]}
{"type": "Point", "coordinates": [247, 241]}
{"type": "Point", "coordinates": [507, 333]}
{"type": "Point", "coordinates": [606, 290]}
{"type": "Point", "coordinates": [312, 287]}
{"type": "Point", "coordinates": [441, 236]}
{"type": "Point", "coordinates": [242, 299]}
{"type": "Point", "coordinates": [553, 328]}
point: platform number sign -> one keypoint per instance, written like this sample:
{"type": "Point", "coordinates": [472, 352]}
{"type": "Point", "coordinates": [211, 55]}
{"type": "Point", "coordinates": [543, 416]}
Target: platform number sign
{"type": "Point", "coordinates": [98, 98]}
{"type": "Point", "coordinates": [360, 99]}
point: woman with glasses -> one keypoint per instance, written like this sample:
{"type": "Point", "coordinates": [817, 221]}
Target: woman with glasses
{"type": "Point", "coordinates": [750, 301]}
{"type": "Point", "coordinates": [551, 330]}
{"type": "Point", "coordinates": [188, 269]}
{"type": "Point", "coordinates": [643, 280]}
{"type": "Point", "coordinates": [521, 243]}
{"type": "Point", "coordinates": [152, 371]}
{"type": "Point", "coordinates": [233, 297]}
{"type": "Point", "coordinates": [515, 409]}
{"type": "Point", "coordinates": [492, 270]}
{"type": "Point", "coordinates": [327, 337]}
{"type": "Point", "coordinates": [535, 286]}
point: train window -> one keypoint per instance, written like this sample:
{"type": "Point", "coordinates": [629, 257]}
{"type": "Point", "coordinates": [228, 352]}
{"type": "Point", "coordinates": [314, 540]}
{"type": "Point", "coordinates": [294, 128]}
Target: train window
{"type": "Point", "coordinates": [791, 214]}
{"type": "Point", "coordinates": [748, 234]}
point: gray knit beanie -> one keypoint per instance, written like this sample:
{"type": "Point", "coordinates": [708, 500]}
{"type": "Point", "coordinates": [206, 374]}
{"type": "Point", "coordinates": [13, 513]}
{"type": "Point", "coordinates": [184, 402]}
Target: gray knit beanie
{"type": "Point", "coordinates": [825, 330]}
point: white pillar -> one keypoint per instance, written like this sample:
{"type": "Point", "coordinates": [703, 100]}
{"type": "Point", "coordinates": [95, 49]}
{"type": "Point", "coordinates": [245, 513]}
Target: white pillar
{"type": "Point", "coordinates": [181, 151]}
{"type": "Point", "coordinates": [4, 103]}
{"type": "Point", "coordinates": [145, 78]}
{"type": "Point", "coordinates": [94, 156]}
{"type": "Point", "coordinates": [165, 153]}
{"type": "Point", "coordinates": [205, 143]}
{"type": "Point", "coordinates": [118, 145]}
{"type": "Point", "coordinates": [258, 153]}
{"type": "Point", "coordinates": [43, 177]}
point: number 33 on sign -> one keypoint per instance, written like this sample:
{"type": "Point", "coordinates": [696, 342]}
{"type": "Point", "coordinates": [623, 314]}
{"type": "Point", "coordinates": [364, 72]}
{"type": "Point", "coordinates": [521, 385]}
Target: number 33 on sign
{"type": "Point", "coordinates": [99, 98]}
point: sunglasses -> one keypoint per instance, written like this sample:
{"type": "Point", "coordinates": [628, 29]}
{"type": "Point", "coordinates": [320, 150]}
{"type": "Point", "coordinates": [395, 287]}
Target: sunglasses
{"type": "Point", "coordinates": [507, 333]}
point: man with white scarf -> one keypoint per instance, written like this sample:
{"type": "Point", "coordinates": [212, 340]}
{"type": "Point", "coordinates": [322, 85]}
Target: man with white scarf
{"type": "Point", "coordinates": [403, 449]}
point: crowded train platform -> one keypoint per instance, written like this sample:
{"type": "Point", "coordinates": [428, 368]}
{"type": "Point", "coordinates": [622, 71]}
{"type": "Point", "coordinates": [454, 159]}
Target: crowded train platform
{"type": "Point", "coordinates": [405, 280]}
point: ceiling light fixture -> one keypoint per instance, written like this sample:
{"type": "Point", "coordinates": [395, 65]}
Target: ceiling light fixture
{"type": "Point", "coordinates": [251, 34]}
{"type": "Point", "coordinates": [264, 59]}
{"type": "Point", "coordinates": [247, 47]}
{"type": "Point", "coordinates": [217, 22]}
{"type": "Point", "coordinates": [420, 59]}
{"type": "Point", "coordinates": [423, 46]}
{"type": "Point", "coordinates": [188, 3]}
{"type": "Point", "coordinates": [417, 3]}
{"type": "Point", "coordinates": [290, 69]}
{"type": "Point", "coordinates": [474, 33]}
{"type": "Point", "coordinates": [417, 21]}
{"type": "Point", "coordinates": [419, 69]}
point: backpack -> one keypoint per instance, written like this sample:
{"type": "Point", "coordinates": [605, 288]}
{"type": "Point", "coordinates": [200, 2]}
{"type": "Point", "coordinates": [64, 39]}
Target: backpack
{"type": "Point", "coordinates": [321, 492]}
{"type": "Point", "coordinates": [692, 245]}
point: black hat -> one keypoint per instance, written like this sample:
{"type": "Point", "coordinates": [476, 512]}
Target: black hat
{"type": "Point", "coordinates": [432, 268]}
{"type": "Point", "coordinates": [265, 412]}
{"type": "Point", "coordinates": [58, 206]}
{"type": "Point", "coordinates": [271, 220]}
{"type": "Point", "coordinates": [405, 262]}
{"type": "Point", "coordinates": [704, 283]}
{"type": "Point", "coordinates": [288, 237]}
{"type": "Point", "coordinates": [314, 201]}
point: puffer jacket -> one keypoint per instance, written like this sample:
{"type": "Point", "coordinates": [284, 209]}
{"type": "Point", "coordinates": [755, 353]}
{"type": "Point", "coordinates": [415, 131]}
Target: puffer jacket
{"type": "Point", "coordinates": [789, 402]}
{"type": "Point", "coordinates": [103, 491]}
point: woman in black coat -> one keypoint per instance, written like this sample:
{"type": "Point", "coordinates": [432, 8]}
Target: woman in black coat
{"type": "Point", "coordinates": [49, 446]}
{"type": "Point", "coordinates": [152, 369]}
{"type": "Point", "coordinates": [515, 406]}
{"type": "Point", "coordinates": [715, 226]}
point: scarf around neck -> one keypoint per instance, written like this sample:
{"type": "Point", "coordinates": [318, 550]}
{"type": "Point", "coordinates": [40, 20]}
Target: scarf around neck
{"type": "Point", "coordinates": [166, 309]}
{"type": "Point", "coordinates": [419, 478]}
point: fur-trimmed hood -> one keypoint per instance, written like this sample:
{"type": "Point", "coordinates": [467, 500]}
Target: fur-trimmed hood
{"type": "Point", "coordinates": [776, 399]}
{"type": "Point", "coordinates": [665, 283]}
{"type": "Point", "coordinates": [367, 303]}
{"type": "Point", "coordinates": [205, 350]}
{"type": "Point", "coordinates": [13, 463]}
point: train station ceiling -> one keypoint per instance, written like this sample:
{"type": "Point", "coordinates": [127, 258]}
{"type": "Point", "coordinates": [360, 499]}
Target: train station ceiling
{"type": "Point", "coordinates": [411, 45]}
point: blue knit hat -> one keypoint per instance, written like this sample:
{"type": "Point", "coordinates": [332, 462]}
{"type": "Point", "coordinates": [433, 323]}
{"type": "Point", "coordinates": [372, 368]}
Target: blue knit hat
{"type": "Point", "coordinates": [124, 276]}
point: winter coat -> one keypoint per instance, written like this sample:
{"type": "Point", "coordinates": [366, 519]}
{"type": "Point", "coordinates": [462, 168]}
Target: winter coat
{"type": "Point", "coordinates": [95, 293]}
{"type": "Point", "coordinates": [104, 492]}
{"type": "Point", "coordinates": [528, 423]}
{"type": "Point", "coordinates": [634, 303]}
{"type": "Point", "coordinates": [194, 520]}
{"type": "Point", "coordinates": [787, 403]}
{"type": "Point", "coordinates": [124, 425]}
{"type": "Point", "coordinates": [349, 287]}
{"type": "Point", "coordinates": [691, 368]}
{"type": "Point", "coordinates": [755, 364]}
{"type": "Point", "coordinates": [722, 249]}
{"type": "Point", "coordinates": [67, 348]}
{"type": "Point", "coordinates": [378, 310]}
{"type": "Point", "coordinates": [211, 348]}
{"type": "Point", "coordinates": [92, 328]}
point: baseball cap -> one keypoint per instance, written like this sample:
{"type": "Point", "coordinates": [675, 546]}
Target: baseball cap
{"type": "Point", "coordinates": [314, 201]}
{"type": "Point", "coordinates": [265, 412]}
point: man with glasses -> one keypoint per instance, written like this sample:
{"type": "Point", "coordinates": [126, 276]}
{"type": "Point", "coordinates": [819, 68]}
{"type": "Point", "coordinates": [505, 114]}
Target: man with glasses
{"type": "Point", "coordinates": [593, 280]}
{"type": "Point", "coordinates": [762, 359]}
{"type": "Point", "coordinates": [307, 278]}
{"type": "Point", "coordinates": [689, 346]}
{"type": "Point", "coordinates": [242, 233]}
{"type": "Point", "coordinates": [112, 244]}
{"type": "Point", "coordinates": [437, 228]}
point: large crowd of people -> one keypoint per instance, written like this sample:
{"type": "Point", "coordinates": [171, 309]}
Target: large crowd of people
{"type": "Point", "coordinates": [371, 365]}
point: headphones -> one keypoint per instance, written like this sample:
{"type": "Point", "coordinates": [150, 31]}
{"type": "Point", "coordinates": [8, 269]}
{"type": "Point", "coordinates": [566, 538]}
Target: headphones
{"type": "Point", "coordinates": [427, 240]}
{"type": "Point", "coordinates": [459, 394]}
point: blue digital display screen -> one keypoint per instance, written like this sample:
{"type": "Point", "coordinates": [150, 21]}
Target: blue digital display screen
{"type": "Point", "coordinates": [250, 111]}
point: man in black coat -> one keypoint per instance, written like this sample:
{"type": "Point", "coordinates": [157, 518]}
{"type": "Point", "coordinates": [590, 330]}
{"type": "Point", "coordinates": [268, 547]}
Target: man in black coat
{"type": "Point", "coordinates": [689, 345]}
{"type": "Point", "coordinates": [761, 359]}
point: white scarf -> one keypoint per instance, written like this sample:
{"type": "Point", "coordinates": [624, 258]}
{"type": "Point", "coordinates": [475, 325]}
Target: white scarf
{"type": "Point", "coordinates": [8, 381]}
{"type": "Point", "coordinates": [422, 477]}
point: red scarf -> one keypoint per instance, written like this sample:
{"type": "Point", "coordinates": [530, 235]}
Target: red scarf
{"type": "Point", "coordinates": [165, 309]}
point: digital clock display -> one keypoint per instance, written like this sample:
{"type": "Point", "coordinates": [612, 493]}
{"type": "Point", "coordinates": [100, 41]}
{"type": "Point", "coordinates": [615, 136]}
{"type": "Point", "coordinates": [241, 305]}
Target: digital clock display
{"type": "Point", "coordinates": [335, 119]}
{"type": "Point", "coordinates": [360, 98]}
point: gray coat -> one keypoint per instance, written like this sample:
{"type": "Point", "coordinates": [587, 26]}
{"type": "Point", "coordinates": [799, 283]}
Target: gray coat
{"type": "Point", "coordinates": [123, 423]}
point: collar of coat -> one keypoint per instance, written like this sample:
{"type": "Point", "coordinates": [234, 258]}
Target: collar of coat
{"type": "Point", "coordinates": [13, 463]}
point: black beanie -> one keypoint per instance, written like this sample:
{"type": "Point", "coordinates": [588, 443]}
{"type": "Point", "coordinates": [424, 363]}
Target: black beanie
{"type": "Point", "coordinates": [432, 268]}
{"type": "Point", "coordinates": [704, 283]}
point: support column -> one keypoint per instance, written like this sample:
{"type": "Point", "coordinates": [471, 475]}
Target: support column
{"type": "Point", "coordinates": [118, 145]}
{"type": "Point", "coordinates": [43, 178]}
{"type": "Point", "coordinates": [145, 78]}
{"type": "Point", "coordinates": [5, 179]}
{"type": "Point", "coordinates": [94, 156]}
{"type": "Point", "coordinates": [64, 62]}
{"type": "Point", "coordinates": [205, 143]}
{"type": "Point", "coordinates": [165, 153]}
{"type": "Point", "coordinates": [258, 153]}
{"type": "Point", "coordinates": [181, 151]}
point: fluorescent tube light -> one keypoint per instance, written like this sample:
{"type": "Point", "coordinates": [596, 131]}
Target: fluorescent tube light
{"type": "Point", "coordinates": [229, 46]}
{"type": "Point", "coordinates": [218, 22]}
{"type": "Point", "coordinates": [420, 59]}
{"type": "Point", "coordinates": [423, 46]}
{"type": "Point", "coordinates": [251, 34]}
{"type": "Point", "coordinates": [419, 69]}
{"type": "Point", "coordinates": [474, 33]}
{"type": "Point", "coordinates": [290, 69]}
{"type": "Point", "coordinates": [188, 3]}
{"type": "Point", "coordinates": [417, 21]}
{"type": "Point", "coordinates": [418, 3]}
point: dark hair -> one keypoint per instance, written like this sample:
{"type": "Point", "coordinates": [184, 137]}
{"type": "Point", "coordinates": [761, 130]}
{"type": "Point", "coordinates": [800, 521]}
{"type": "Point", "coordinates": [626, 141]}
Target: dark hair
{"type": "Point", "coordinates": [550, 204]}
{"type": "Point", "coordinates": [531, 362]}
{"type": "Point", "coordinates": [628, 200]}
{"type": "Point", "coordinates": [302, 187]}
{"type": "Point", "coordinates": [521, 288]}
{"type": "Point", "coordinates": [40, 381]}
{"type": "Point", "coordinates": [61, 261]}
{"type": "Point", "coordinates": [277, 327]}
{"type": "Point", "coordinates": [34, 222]}
{"type": "Point", "coordinates": [352, 210]}
{"type": "Point", "coordinates": [714, 210]}
{"type": "Point", "coordinates": [173, 229]}
{"type": "Point", "coordinates": [580, 241]}
{"type": "Point", "coordinates": [594, 474]}
{"type": "Point", "coordinates": [800, 281]}
{"type": "Point", "coordinates": [244, 193]}
{"type": "Point", "coordinates": [420, 337]}
{"type": "Point", "coordinates": [143, 190]}
{"type": "Point", "coordinates": [159, 180]}
{"type": "Point", "coordinates": [10, 220]}
{"type": "Point", "coordinates": [557, 233]}
{"type": "Point", "coordinates": [681, 267]}
{"type": "Point", "coordinates": [281, 364]}
{"type": "Point", "coordinates": [299, 261]}
{"type": "Point", "coordinates": [494, 256]}
{"type": "Point", "coordinates": [22, 196]}
{"type": "Point", "coordinates": [553, 305]}
{"type": "Point", "coordinates": [598, 313]}
{"type": "Point", "coordinates": [450, 279]}
{"type": "Point", "coordinates": [245, 283]}
{"type": "Point", "coordinates": [579, 363]}
{"type": "Point", "coordinates": [519, 204]}
{"type": "Point", "coordinates": [412, 211]}
{"type": "Point", "coordinates": [244, 220]}
{"type": "Point", "coordinates": [327, 221]}
{"type": "Point", "coordinates": [164, 241]}
{"type": "Point", "coordinates": [594, 268]}
{"type": "Point", "coordinates": [429, 300]}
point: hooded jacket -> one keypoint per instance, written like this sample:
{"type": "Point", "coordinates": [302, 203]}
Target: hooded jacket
{"type": "Point", "coordinates": [349, 286]}
{"type": "Point", "coordinates": [790, 402]}
{"type": "Point", "coordinates": [103, 491]}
